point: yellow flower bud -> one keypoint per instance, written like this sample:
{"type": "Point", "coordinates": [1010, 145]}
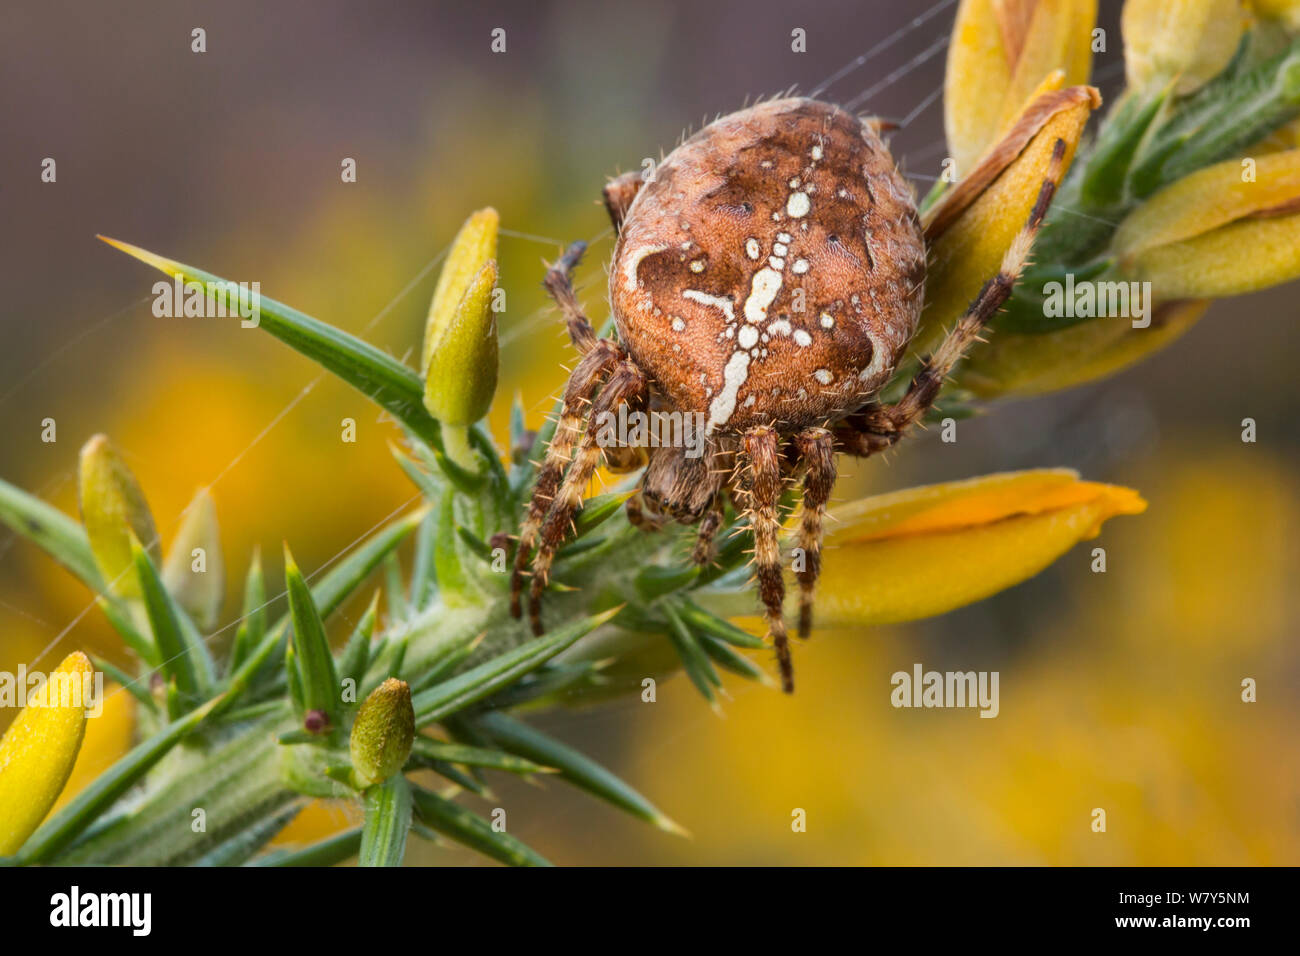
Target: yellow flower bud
{"type": "Point", "coordinates": [383, 733]}
{"type": "Point", "coordinates": [39, 750]}
{"type": "Point", "coordinates": [1001, 50]}
{"type": "Point", "coordinates": [970, 229]}
{"type": "Point", "coordinates": [924, 551]}
{"type": "Point", "coordinates": [1025, 364]}
{"type": "Point", "coordinates": [1225, 230]}
{"type": "Point", "coordinates": [112, 508]}
{"type": "Point", "coordinates": [461, 376]}
{"type": "Point", "coordinates": [197, 581]}
{"type": "Point", "coordinates": [460, 336]}
{"type": "Point", "coordinates": [1188, 40]}
{"type": "Point", "coordinates": [472, 249]}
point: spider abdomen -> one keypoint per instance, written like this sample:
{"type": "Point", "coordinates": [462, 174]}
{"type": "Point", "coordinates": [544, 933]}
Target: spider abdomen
{"type": "Point", "coordinates": [772, 269]}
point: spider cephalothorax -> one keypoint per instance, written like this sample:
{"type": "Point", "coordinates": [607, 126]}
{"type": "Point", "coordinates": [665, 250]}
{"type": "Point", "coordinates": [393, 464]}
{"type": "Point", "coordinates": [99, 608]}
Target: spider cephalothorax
{"type": "Point", "coordinates": [766, 281]}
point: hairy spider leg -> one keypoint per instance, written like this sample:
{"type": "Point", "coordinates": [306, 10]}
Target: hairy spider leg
{"type": "Point", "coordinates": [705, 549]}
{"type": "Point", "coordinates": [583, 384]}
{"type": "Point", "coordinates": [559, 283]}
{"type": "Point", "coordinates": [760, 479]}
{"type": "Point", "coordinates": [875, 427]}
{"type": "Point", "coordinates": [626, 385]}
{"type": "Point", "coordinates": [816, 447]}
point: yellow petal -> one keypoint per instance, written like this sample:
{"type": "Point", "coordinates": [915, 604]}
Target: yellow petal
{"type": "Point", "coordinates": [473, 247]}
{"type": "Point", "coordinates": [969, 231]}
{"type": "Point", "coordinates": [925, 551]}
{"type": "Point", "coordinates": [112, 508]}
{"type": "Point", "coordinates": [197, 591]}
{"type": "Point", "coordinates": [39, 749]}
{"type": "Point", "coordinates": [1000, 52]}
{"type": "Point", "coordinates": [1015, 364]}
{"type": "Point", "coordinates": [1210, 198]}
{"type": "Point", "coordinates": [1192, 40]}
{"type": "Point", "coordinates": [1286, 12]}
{"type": "Point", "coordinates": [1245, 256]}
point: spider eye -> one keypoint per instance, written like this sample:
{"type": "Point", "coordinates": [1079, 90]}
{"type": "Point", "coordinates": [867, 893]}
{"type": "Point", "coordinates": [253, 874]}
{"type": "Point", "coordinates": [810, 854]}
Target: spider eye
{"type": "Point", "coordinates": [746, 207]}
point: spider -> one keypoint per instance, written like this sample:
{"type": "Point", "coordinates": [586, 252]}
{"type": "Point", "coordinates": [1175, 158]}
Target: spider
{"type": "Point", "coordinates": [768, 276]}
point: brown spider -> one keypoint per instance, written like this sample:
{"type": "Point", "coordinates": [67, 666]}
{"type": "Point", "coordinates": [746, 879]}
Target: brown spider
{"type": "Point", "coordinates": [768, 277]}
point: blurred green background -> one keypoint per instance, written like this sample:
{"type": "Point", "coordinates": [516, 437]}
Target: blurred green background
{"type": "Point", "coordinates": [1118, 691]}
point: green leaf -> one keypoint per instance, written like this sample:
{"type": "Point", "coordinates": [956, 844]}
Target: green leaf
{"type": "Point", "coordinates": [1102, 185]}
{"type": "Point", "coordinates": [328, 593]}
{"type": "Point", "coordinates": [397, 606]}
{"type": "Point", "coordinates": [728, 658]}
{"type": "Point", "coordinates": [120, 617]}
{"type": "Point", "coordinates": [327, 852]}
{"type": "Point", "coordinates": [320, 685]}
{"type": "Point", "coordinates": [655, 580]}
{"type": "Point", "coordinates": [252, 624]}
{"type": "Point", "coordinates": [448, 561]}
{"type": "Point", "coordinates": [388, 818]}
{"type": "Point", "coordinates": [702, 621]}
{"type": "Point", "coordinates": [428, 749]}
{"type": "Point", "coordinates": [577, 769]}
{"type": "Point", "coordinates": [596, 511]}
{"type": "Point", "coordinates": [548, 682]}
{"type": "Point", "coordinates": [424, 583]}
{"type": "Point", "coordinates": [59, 830]}
{"type": "Point", "coordinates": [374, 373]}
{"type": "Point", "coordinates": [447, 658]}
{"type": "Point", "coordinates": [454, 821]}
{"type": "Point", "coordinates": [60, 536]}
{"type": "Point", "coordinates": [475, 543]}
{"type": "Point", "coordinates": [501, 671]}
{"type": "Point", "coordinates": [244, 843]}
{"type": "Point", "coordinates": [462, 780]}
{"type": "Point", "coordinates": [137, 687]}
{"type": "Point", "coordinates": [694, 659]}
{"type": "Point", "coordinates": [176, 660]}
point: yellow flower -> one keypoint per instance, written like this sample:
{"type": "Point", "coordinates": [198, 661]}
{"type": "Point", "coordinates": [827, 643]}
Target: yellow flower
{"type": "Point", "coordinates": [112, 508]}
{"type": "Point", "coordinates": [970, 229]}
{"type": "Point", "coordinates": [924, 551]}
{"type": "Point", "coordinates": [1001, 50]}
{"type": "Point", "coordinates": [1225, 230]}
{"type": "Point", "coordinates": [39, 750]}
{"type": "Point", "coordinates": [1188, 40]}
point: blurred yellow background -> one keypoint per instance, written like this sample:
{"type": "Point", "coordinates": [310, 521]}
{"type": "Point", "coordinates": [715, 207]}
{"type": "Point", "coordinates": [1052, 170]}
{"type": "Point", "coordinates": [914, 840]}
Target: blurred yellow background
{"type": "Point", "coordinates": [1118, 690]}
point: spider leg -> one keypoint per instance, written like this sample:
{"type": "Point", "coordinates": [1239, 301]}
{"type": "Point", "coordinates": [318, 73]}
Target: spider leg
{"type": "Point", "coordinates": [618, 194]}
{"type": "Point", "coordinates": [637, 516]}
{"type": "Point", "coordinates": [626, 384]}
{"type": "Point", "coordinates": [875, 427]}
{"type": "Point", "coordinates": [559, 283]}
{"type": "Point", "coordinates": [760, 464]}
{"type": "Point", "coordinates": [817, 454]}
{"type": "Point", "coordinates": [705, 548]}
{"type": "Point", "coordinates": [582, 385]}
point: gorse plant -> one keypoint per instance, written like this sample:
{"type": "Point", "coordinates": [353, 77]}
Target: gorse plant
{"type": "Point", "coordinates": [1192, 184]}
